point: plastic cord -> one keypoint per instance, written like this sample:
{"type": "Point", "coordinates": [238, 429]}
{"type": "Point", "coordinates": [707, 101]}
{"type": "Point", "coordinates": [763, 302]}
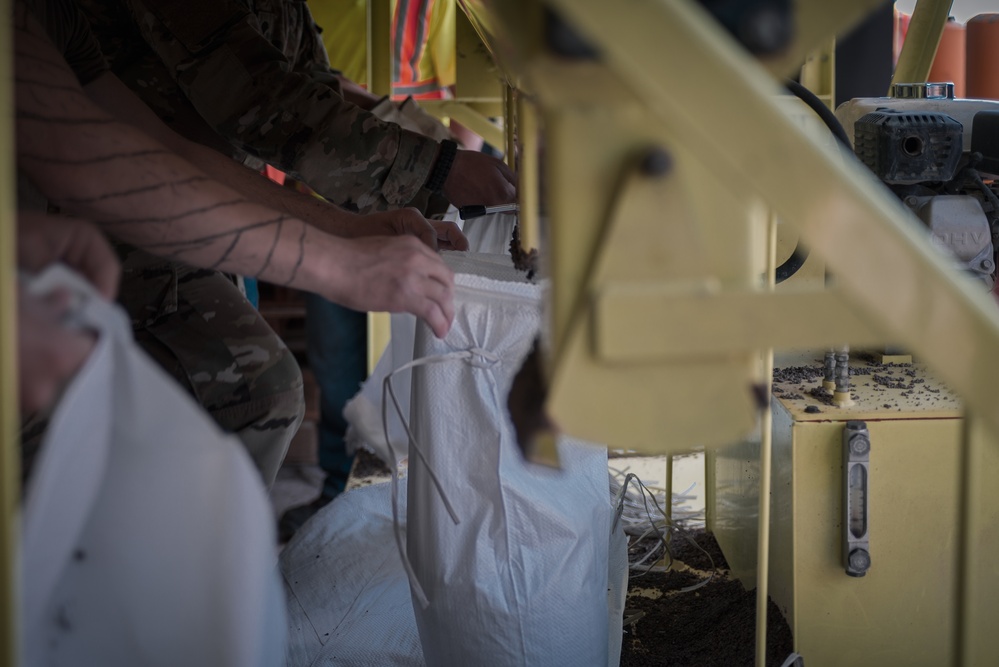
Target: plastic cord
{"type": "Point", "coordinates": [389, 390]}
{"type": "Point", "coordinates": [793, 660]}
{"type": "Point", "coordinates": [653, 528]}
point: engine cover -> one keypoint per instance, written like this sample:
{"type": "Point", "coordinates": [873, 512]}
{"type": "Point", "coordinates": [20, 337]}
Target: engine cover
{"type": "Point", "coordinates": [958, 224]}
{"type": "Point", "coordinates": [907, 147]}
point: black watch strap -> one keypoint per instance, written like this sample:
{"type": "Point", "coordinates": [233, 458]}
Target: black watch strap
{"type": "Point", "coordinates": [442, 167]}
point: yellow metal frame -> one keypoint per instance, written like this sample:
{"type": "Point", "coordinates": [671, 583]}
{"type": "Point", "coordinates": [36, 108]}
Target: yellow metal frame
{"type": "Point", "coordinates": [10, 466]}
{"type": "Point", "coordinates": [922, 39]}
{"type": "Point", "coordinates": [478, 88]}
{"type": "Point", "coordinates": [665, 81]}
{"type": "Point", "coordinates": [818, 74]}
{"type": "Point", "coordinates": [847, 220]}
{"type": "Point", "coordinates": [379, 60]}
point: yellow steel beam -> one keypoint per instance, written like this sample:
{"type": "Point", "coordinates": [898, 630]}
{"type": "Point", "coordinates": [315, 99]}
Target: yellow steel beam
{"type": "Point", "coordinates": [10, 466]}
{"type": "Point", "coordinates": [885, 265]}
{"type": "Point", "coordinates": [380, 47]}
{"type": "Point", "coordinates": [657, 227]}
{"type": "Point", "coordinates": [528, 173]}
{"type": "Point", "coordinates": [468, 116]}
{"type": "Point", "coordinates": [702, 321]}
{"type": "Point", "coordinates": [476, 76]}
{"type": "Point", "coordinates": [766, 449]}
{"type": "Point", "coordinates": [921, 41]}
{"type": "Point", "coordinates": [510, 126]}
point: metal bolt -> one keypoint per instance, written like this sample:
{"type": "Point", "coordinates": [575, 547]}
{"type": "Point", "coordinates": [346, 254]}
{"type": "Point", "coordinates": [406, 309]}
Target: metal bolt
{"type": "Point", "coordinates": [911, 202]}
{"type": "Point", "coordinates": [830, 366]}
{"type": "Point", "coordinates": [843, 371]}
{"type": "Point", "coordinates": [657, 162]}
{"type": "Point", "coordinates": [860, 444]}
{"type": "Point", "coordinates": [860, 560]}
{"type": "Point", "coordinates": [987, 265]}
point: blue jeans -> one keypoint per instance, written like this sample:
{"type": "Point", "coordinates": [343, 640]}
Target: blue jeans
{"type": "Point", "coordinates": [337, 339]}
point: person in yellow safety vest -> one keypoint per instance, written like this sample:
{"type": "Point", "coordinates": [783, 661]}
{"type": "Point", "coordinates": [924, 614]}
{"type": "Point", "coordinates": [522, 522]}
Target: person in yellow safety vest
{"type": "Point", "coordinates": [423, 43]}
{"type": "Point", "coordinates": [423, 48]}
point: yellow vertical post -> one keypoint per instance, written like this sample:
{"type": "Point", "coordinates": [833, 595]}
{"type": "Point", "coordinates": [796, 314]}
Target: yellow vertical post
{"type": "Point", "coordinates": [921, 41]}
{"type": "Point", "coordinates": [380, 58]}
{"type": "Point", "coordinates": [669, 487]}
{"type": "Point", "coordinates": [510, 125]}
{"type": "Point", "coordinates": [710, 489]}
{"type": "Point", "coordinates": [528, 173]}
{"type": "Point", "coordinates": [9, 418]}
{"type": "Point", "coordinates": [977, 541]}
{"type": "Point", "coordinates": [380, 47]}
{"type": "Point", "coordinates": [766, 447]}
{"type": "Point", "coordinates": [818, 74]}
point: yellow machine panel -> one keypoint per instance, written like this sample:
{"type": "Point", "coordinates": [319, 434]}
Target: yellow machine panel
{"type": "Point", "coordinates": [903, 611]}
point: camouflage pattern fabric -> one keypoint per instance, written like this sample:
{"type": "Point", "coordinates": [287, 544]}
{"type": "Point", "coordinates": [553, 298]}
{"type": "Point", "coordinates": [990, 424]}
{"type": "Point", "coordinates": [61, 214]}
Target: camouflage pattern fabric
{"type": "Point", "coordinates": [203, 331]}
{"type": "Point", "coordinates": [251, 74]}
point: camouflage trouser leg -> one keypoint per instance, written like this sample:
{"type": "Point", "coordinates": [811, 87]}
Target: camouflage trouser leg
{"type": "Point", "coordinates": [199, 327]}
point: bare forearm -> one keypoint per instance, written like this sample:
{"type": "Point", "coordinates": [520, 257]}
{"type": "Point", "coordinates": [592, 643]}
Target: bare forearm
{"type": "Point", "coordinates": [112, 96]}
{"type": "Point", "coordinates": [160, 203]}
{"type": "Point", "coordinates": [323, 215]}
{"type": "Point", "coordinates": [94, 166]}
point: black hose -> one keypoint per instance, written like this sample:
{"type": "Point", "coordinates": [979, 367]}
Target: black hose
{"type": "Point", "coordinates": [800, 254]}
{"type": "Point", "coordinates": [821, 110]}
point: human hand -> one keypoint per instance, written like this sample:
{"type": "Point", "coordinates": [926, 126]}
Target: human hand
{"type": "Point", "coordinates": [436, 234]}
{"type": "Point", "coordinates": [477, 178]}
{"type": "Point", "coordinates": [49, 354]}
{"type": "Point", "coordinates": [44, 239]}
{"type": "Point", "coordinates": [395, 274]}
{"type": "Point", "coordinates": [449, 236]}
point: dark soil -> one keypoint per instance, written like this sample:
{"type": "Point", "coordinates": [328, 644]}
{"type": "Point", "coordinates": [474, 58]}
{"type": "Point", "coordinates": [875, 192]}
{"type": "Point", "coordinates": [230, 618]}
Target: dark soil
{"type": "Point", "coordinates": [367, 464]}
{"type": "Point", "coordinates": [694, 556]}
{"type": "Point", "coordinates": [714, 626]}
{"type": "Point", "coordinates": [522, 259]}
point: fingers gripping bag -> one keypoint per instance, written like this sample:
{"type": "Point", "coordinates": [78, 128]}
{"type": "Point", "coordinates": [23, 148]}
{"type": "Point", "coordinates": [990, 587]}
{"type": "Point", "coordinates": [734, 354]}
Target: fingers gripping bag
{"type": "Point", "coordinates": [509, 560]}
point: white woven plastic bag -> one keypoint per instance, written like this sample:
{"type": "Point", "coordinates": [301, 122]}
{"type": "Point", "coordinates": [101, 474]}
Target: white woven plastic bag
{"type": "Point", "coordinates": [148, 537]}
{"type": "Point", "coordinates": [522, 579]}
{"type": "Point", "coordinates": [348, 596]}
{"type": "Point", "coordinates": [364, 411]}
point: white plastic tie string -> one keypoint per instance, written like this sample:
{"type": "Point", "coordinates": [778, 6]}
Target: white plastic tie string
{"type": "Point", "coordinates": [476, 357]}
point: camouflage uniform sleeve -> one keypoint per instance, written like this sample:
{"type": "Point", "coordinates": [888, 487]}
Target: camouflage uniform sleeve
{"type": "Point", "coordinates": [247, 91]}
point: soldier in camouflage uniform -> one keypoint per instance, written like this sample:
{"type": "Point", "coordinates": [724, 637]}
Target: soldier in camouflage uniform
{"type": "Point", "coordinates": [211, 213]}
{"type": "Point", "coordinates": [222, 67]}
{"type": "Point", "coordinates": [251, 78]}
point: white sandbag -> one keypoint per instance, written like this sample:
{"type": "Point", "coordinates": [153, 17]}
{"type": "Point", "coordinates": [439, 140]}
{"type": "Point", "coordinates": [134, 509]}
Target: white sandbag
{"type": "Point", "coordinates": [486, 234]}
{"type": "Point", "coordinates": [617, 593]}
{"type": "Point", "coordinates": [148, 537]}
{"type": "Point", "coordinates": [345, 585]}
{"type": "Point", "coordinates": [523, 578]}
{"type": "Point", "coordinates": [348, 595]}
{"type": "Point", "coordinates": [364, 412]}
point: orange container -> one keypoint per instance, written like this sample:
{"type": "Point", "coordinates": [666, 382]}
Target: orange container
{"type": "Point", "coordinates": [898, 38]}
{"type": "Point", "coordinates": [949, 64]}
{"type": "Point", "coordinates": [982, 72]}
